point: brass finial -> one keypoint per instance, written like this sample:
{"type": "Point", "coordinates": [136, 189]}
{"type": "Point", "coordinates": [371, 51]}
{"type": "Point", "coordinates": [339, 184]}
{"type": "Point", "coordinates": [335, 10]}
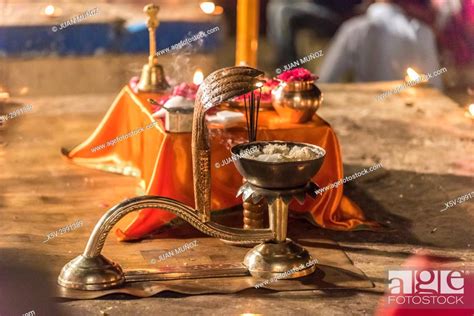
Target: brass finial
{"type": "Point", "coordinates": [152, 11]}
{"type": "Point", "coordinates": [152, 23]}
{"type": "Point", "coordinates": [152, 78]}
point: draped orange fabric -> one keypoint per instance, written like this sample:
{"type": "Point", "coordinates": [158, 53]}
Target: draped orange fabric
{"type": "Point", "coordinates": [163, 161]}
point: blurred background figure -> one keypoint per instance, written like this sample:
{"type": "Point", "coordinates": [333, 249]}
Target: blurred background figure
{"type": "Point", "coordinates": [381, 44]}
{"type": "Point", "coordinates": [286, 17]}
{"type": "Point", "coordinates": [455, 30]}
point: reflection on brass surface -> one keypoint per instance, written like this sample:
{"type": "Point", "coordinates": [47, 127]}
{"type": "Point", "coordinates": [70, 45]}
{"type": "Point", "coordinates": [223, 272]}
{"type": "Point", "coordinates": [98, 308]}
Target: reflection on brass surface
{"type": "Point", "coordinates": [296, 101]}
{"type": "Point", "coordinates": [254, 193]}
{"type": "Point", "coordinates": [278, 218]}
{"type": "Point", "coordinates": [152, 79]}
{"type": "Point", "coordinates": [91, 273]}
{"type": "Point", "coordinates": [271, 259]}
{"type": "Point", "coordinates": [189, 272]}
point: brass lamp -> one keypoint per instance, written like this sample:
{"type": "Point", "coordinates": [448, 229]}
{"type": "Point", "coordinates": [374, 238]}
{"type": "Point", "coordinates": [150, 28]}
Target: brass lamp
{"type": "Point", "coordinates": [152, 78]}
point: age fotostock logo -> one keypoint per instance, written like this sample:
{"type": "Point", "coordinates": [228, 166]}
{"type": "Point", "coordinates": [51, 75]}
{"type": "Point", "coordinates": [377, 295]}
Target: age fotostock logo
{"type": "Point", "coordinates": [429, 288]}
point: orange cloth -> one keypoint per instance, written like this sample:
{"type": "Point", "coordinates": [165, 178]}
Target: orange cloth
{"type": "Point", "coordinates": [163, 161]}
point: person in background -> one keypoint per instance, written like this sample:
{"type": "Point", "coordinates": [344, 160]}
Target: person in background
{"type": "Point", "coordinates": [286, 17]}
{"type": "Point", "coordinates": [455, 29]}
{"type": "Point", "coordinates": [381, 44]}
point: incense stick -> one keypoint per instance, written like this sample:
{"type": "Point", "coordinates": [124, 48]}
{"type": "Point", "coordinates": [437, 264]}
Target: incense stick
{"type": "Point", "coordinates": [247, 118]}
{"type": "Point", "coordinates": [251, 114]}
{"type": "Point", "coordinates": [258, 110]}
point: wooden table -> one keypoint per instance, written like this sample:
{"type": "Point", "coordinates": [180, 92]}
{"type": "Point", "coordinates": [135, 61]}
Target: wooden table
{"type": "Point", "coordinates": [426, 151]}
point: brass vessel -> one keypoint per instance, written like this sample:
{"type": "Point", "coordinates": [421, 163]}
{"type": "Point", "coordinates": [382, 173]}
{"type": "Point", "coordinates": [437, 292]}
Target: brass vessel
{"type": "Point", "coordinates": [296, 101]}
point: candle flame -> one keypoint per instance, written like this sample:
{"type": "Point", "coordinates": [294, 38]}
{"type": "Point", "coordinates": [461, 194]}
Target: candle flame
{"type": "Point", "coordinates": [412, 74]}
{"type": "Point", "coordinates": [198, 77]}
{"type": "Point", "coordinates": [207, 7]}
{"type": "Point", "coordinates": [49, 10]}
{"type": "Point", "coordinates": [259, 84]}
{"type": "Point", "coordinates": [469, 111]}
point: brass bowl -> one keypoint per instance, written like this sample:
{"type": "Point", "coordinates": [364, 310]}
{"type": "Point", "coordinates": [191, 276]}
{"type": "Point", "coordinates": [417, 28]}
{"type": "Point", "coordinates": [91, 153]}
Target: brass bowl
{"type": "Point", "coordinates": [277, 175]}
{"type": "Point", "coordinates": [297, 101]}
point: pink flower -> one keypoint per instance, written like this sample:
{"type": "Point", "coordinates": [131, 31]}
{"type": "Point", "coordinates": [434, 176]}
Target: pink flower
{"type": "Point", "coordinates": [186, 90]}
{"type": "Point", "coordinates": [134, 83]}
{"type": "Point", "coordinates": [297, 74]}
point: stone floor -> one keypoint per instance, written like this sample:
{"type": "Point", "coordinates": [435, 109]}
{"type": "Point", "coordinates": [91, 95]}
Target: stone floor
{"type": "Point", "coordinates": [422, 139]}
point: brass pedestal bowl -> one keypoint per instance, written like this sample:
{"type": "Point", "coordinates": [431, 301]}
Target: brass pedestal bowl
{"type": "Point", "coordinates": [277, 175]}
{"type": "Point", "coordinates": [279, 183]}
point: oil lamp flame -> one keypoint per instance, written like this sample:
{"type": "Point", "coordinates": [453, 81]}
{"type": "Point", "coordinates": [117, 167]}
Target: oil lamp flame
{"type": "Point", "coordinates": [412, 74]}
{"type": "Point", "coordinates": [50, 10]}
{"type": "Point", "coordinates": [207, 7]}
{"type": "Point", "coordinates": [198, 77]}
{"type": "Point", "coordinates": [470, 111]}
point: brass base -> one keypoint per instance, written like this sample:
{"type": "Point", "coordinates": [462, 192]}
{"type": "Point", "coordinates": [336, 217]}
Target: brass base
{"type": "Point", "coordinates": [96, 273]}
{"type": "Point", "coordinates": [152, 79]}
{"type": "Point", "coordinates": [271, 259]}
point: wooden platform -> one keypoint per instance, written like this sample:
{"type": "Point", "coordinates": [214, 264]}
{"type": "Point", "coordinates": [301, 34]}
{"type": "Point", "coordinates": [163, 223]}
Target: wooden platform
{"type": "Point", "coordinates": [426, 150]}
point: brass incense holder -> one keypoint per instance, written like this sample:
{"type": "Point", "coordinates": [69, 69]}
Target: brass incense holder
{"type": "Point", "coordinates": [275, 253]}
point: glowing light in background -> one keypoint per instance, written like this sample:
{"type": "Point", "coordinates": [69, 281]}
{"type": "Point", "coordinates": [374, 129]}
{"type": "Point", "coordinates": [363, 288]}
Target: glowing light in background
{"type": "Point", "coordinates": [207, 7]}
{"type": "Point", "coordinates": [24, 90]}
{"type": "Point", "coordinates": [412, 74]}
{"type": "Point", "coordinates": [198, 77]}
{"type": "Point", "coordinates": [470, 111]}
{"type": "Point", "coordinates": [50, 10]}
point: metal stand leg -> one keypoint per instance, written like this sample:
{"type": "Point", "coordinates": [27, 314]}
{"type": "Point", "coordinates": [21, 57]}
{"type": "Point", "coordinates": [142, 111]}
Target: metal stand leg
{"type": "Point", "coordinates": [281, 255]}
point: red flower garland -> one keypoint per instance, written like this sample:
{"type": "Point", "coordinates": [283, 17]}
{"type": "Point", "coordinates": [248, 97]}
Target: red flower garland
{"type": "Point", "coordinates": [297, 74]}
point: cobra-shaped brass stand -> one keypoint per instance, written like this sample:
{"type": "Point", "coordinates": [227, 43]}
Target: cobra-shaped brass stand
{"type": "Point", "coordinates": [92, 271]}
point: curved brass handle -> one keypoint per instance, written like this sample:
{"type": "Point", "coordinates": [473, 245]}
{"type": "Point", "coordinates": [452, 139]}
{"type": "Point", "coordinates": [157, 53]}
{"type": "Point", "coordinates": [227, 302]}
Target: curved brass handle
{"type": "Point", "coordinates": [109, 219]}
{"type": "Point", "coordinates": [93, 271]}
